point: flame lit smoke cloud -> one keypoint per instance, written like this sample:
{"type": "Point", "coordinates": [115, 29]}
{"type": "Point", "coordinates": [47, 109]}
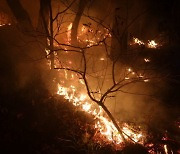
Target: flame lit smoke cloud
{"type": "Point", "coordinates": [72, 87]}
{"type": "Point", "coordinates": [81, 99]}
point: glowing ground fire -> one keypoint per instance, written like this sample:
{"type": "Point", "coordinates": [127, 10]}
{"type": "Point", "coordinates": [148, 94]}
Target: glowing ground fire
{"type": "Point", "coordinates": [103, 124]}
{"type": "Point", "coordinates": [70, 84]}
{"type": "Point", "coordinates": [151, 43]}
{"type": "Point", "coordinates": [81, 100]}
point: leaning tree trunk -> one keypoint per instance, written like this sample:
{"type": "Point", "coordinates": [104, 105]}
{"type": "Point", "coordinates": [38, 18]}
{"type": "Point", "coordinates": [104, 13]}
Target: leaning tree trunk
{"type": "Point", "coordinates": [30, 34]}
{"type": "Point", "coordinates": [22, 17]}
{"type": "Point", "coordinates": [46, 29]}
{"type": "Point", "coordinates": [43, 20]}
{"type": "Point", "coordinates": [75, 24]}
{"type": "Point", "coordinates": [30, 49]}
{"type": "Point", "coordinates": [51, 36]}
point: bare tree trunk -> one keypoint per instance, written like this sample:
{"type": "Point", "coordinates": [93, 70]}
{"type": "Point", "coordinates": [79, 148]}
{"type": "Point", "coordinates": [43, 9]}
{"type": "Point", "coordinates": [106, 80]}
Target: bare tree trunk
{"type": "Point", "coordinates": [46, 30]}
{"type": "Point", "coordinates": [82, 4]}
{"type": "Point", "coordinates": [51, 36]}
{"type": "Point", "coordinates": [22, 17]}
{"type": "Point", "coordinates": [42, 27]}
{"type": "Point", "coordinates": [120, 33]}
{"type": "Point", "coordinates": [45, 21]}
{"type": "Point", "coordinates": [34, 40]}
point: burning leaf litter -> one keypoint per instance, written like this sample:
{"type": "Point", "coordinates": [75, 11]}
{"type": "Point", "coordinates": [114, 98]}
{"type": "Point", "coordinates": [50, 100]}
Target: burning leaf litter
{"type": "Point", "coordinates": [150, 44]}
{"type": "Point", "coordinates": [79, 98]}
{"type": "Point", "coordinates": [103, 124]}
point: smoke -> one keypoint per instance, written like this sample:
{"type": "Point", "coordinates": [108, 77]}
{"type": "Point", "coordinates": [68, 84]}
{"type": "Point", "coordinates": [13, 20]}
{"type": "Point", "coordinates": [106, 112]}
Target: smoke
{"type": "Point", "coordinates": [136, 107]}
{"type": "Point", "coordinates": [137, 102]}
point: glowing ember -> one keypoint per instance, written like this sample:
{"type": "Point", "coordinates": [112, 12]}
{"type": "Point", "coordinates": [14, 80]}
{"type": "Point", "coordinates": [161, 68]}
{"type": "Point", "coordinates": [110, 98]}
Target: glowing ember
{"type": "Point", "coordinates": [141, 76]}
{"type": "Point", "coordinates": [102, 59]}
{"type": "Point", "coordinates": [146, 80]}
{"type": "Point", "coordinates": [69, 32]}
{"type": "Point", "coordinates": [72, 88]}
{"type": "Point", "coordinates": [89, 37]}
{"type": "Point", "coordinates": [105, 126]}
{"type": "Point", "coordinates": [9, 24]}
{"type": "Point", "coordinates": [47, 51]}
{"type": "Point", "coordinates": [152, 44]}
{"type": "Point", "coordinates": [82, 97]}
{"type": "Point", "coordinates": [146, 60]}
{"type": "Point", "coordinates": [129, 69]}
{"type": "Point", "coordinates": [86, 107]}
{"type": "Point", "coordinates": [165, 149]}
{"type": "Point", "coordinates": [137, 41]}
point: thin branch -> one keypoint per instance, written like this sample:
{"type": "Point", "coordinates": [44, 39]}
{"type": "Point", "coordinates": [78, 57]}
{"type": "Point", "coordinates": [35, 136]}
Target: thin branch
{"type": "Point", "coordinates": [67, 8]}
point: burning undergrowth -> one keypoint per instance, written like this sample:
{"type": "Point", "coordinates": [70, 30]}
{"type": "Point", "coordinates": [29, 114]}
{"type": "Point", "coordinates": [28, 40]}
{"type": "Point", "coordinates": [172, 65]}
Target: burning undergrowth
{"type": "Point", "coordinates": [34, 121]}
{"type": "Point", "coordinates": [86, 80]}
{"type": "Point", "coordinates": [85, 77]}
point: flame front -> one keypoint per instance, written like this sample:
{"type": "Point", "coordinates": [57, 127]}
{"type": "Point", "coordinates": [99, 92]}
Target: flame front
{"type": "Point", "coordinates": [72, 88]}
{"type": "Point", "coordinates": [137, 41]}
{"type": "Point", "coordinates": [69, 33]}
{"type": "Point", "coordinates": [103, 125]}
{"type": "Point", "coordinates": [152, 44]}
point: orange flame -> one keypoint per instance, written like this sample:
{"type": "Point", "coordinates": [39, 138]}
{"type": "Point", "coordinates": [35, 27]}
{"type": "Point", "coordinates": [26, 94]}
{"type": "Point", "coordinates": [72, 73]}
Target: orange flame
{"type": "Point", "coordinates": [152, 44]}
{"type": "Point", "coordinates": [103, 124]}
{"type": "Point", "coordinates": [137, 41]}
{"type": "Point", "coordinates": [80, 99]}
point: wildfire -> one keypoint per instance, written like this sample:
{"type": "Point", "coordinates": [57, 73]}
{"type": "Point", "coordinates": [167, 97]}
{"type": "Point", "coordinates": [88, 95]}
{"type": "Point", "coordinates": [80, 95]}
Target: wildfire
{"type": "Point", "coordinates": [104, 126]}
{"type": "Point", "coordinates": [81, 100]}
{"type": "Point", "coordinates": [4, 19]}
{"type": "Point", "coordinates": [146, 60]}
{"type": "Point", "coordinates": [69, 33]}
{"type": "Point", "coordinates": [165, 149]}
{"type": "Point", "coordinates": [72, 88]}
{"type": "Point", "coordinates": [102, 59]}
{"type": "Point", "coordinates": [137, 41]}
{"type": "Point", "coordinates": [152, 44]}
{"type": "Point", "coordinates": [9, 24]}
{"type": "Point", "coordinates": [88, 36]}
